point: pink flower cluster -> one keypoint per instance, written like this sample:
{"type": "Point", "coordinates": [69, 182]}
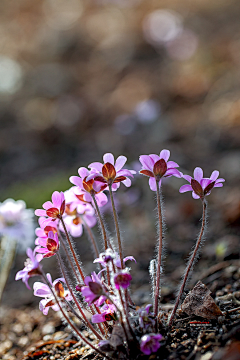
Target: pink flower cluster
{"type": "Point", "coordinates": [106, 294]}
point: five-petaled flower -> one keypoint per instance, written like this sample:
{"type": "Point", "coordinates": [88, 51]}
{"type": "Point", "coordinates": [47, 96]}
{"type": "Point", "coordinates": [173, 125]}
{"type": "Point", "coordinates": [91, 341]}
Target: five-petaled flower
{"type": "Point", "coordinates": [88, 187]}
{"type": "Point", "coordinates": [54, 209]}
{"type": "Point", "coordinates": [150, 343]}
{"type": "Point", "coordinates": [32, 267]}
{"type": "Point", "coordinates": [122, 279]}
{"type": "Point", "coordinates": [49, 246]}
{"type": "Point", "coordinates": [108, 313]}
{"type": "Point", "coordinates": [157, 167]}
{"type": "Point", "coordinates": [201, 186]}
{"type": "Point", "coordinates": [43, 290]}
{"type": "Point", "coordinates": [93, 291]}
{"type": "Point", "coordinates": [111, 173]}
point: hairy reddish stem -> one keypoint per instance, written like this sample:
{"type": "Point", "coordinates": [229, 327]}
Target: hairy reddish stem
{"type": "Point", "coordinates": [69, 258]}
{"type": "Point", "coordinates": [160, 241]}
{"type": "Point", "coordinates": [104, 233]}
{"type": "Point", "coordinates": [72, 249]}
{"type": "Point", "coordinates": [116, 227]}
{"type": "Point", "coordinates": [190, 264]}
{"type": "Point", "coordinates": [76, 301]}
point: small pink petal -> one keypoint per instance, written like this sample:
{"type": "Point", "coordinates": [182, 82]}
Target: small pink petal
{"type": "Point", "coordinates": [96, 165]}
{"type": "Point", "coordinates": [172, 164]}
{"type": "Point", "coordinates": [165, 155]}
{"type": "Point", "coordinates": [147, 162]}
{"type": "Point", "coordinates": [195, 196]}
{"type": "Point", "coordinates": [127, 182]}
{"type": "Point", "coordinates": [47, 205]}
{"type": "Point", "coordinates": [220, 180]}
{"type": "Point", "coordinates": [198, 174]}
{"type": "Point", "coordinates": [83, 172]}
{"type": "Point", "coordinates": [154, 157]}
{"type": "Point", "coordinates": [108, 158]}
{"type": "Point", "coordinates": [120, 162]}
{"type": "Point", "coordinates": [214, 175]}
{"type": "Point", "coordinates": [152, 184]}
{"type": "Point", "coordinates": [173, 172]}
{"type": "Point", "coordinates": [76, 180]}
{"type": "Point", "coordinates": [56, 199]}
{"type": "Point", "coordinates": [218, 185]}
{"type": "Point", "coordinates": [124, 172]}
{"type": "Point", "coordinates": [40, 212]}
{"type": "Point", "coordinates": [185, 188]}
{"type": "Point", "coordinates": [187, 177]}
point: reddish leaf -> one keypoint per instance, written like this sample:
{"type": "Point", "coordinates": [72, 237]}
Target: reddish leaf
{"type": "Point", "coordinates": [88, 185]}
{"type": "Point", "coordinates": [108, 171]}
{"type": "Point", "coordinates": [62, 208]}
{"type": "Point", "coordinates": [52, 245]}
{"type": "Point", "coordinates": [100, 179]}
{"type": "Point", "coordinates": [147, 173]}
{"type": "Point", "coordinates": [50, 228]}
{"type": "Point", "coordinates": [197, 188]}
{"type": "Point", "coordinates": [209, 188]}
{"type": "Point", "coordinates": [119, 179]}
{"type": "Point", "coordinates": [160, 167]}
{"type": "Point", "coordinates": [34, 272]}
{"type": "Point", "coordinates": [52, 212]}
{"type": "Point", "coordinates": [59, 289]}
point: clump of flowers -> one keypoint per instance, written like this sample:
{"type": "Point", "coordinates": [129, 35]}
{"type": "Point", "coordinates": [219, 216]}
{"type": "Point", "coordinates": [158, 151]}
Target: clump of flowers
{"type": "Point", "coordinates": [106, 294]}
{"type": "Point", "coordinates": [16, 234]}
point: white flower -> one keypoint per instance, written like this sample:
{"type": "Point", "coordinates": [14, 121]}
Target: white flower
{"type": "Point", "coordinates": [16, 223]}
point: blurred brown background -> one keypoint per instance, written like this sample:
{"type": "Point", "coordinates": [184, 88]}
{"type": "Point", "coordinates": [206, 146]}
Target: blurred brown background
{"type": "Point", "coordinates": [81, 78]}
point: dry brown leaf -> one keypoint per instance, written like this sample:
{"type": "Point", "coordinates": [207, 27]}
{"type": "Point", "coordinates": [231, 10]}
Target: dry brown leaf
{"type": "Point", "coordinates": [199, 302]}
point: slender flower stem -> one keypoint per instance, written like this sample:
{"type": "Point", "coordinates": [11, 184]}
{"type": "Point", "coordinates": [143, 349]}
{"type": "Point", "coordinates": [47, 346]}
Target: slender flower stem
{"type": "Point", "coordinates": [190, 264]}
{"type": "Point", "coordinates": [71, 323]}
{"type": "Point", "coordinates": [72, 249]}
{"type": "Point", "coordinates": [69, 258]}
{"type": "Point", "coordinates": [75, 299]}
{"type": "Point", "coordinates": [160, 224]}
{"type": "Point", "coordinates": [116, 227]}
{"type": "Point", "coordinates": [104, 233]}
{"type": "Point", "coordinates": [92, 238]}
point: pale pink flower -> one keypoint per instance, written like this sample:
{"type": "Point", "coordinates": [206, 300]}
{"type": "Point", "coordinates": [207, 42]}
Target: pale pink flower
{"type": "Point", "coordinates": [156, 167]}
{"type": "Point", "coordinates": [201, 186]}
{"type": "Point", "coordinates": [111, 172]}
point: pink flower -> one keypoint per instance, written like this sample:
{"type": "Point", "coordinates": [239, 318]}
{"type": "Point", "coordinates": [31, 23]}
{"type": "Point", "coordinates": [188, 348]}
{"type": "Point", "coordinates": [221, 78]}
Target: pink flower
{"type": "Point", "coordinates": [46, 225]}
{"type": "Point", "coordinates": [111, 172]}
{"type": "Point", "coordinates": [48, 246]}
{"type": "Point", "coordinates": [150, 343]}
{"type": "Point", "coordinates": [107, 314]}
{"type": "Point", "coordinates": [76, 213]}
{"type": "Point", "coordinates": [86, 188]}
{"type": "Point", "coordinates": [93, 292]}
{"type": "Point", "coordinates": [42, 290]}
{"type": "Point", "coordinates": [157, 167]}
{"type": "Point", "coordinates": [32, 267]}
{"type": "Point", "coordinates": [109, 255]}
{"type": "Point", "coordinates": [122, 279]}
{"type": "Point", "coordinates": [201, 186]}
{"type": "Point", "coordinates": [53, 209]}
{"type": "Point", "coordinates": [105, 257]}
